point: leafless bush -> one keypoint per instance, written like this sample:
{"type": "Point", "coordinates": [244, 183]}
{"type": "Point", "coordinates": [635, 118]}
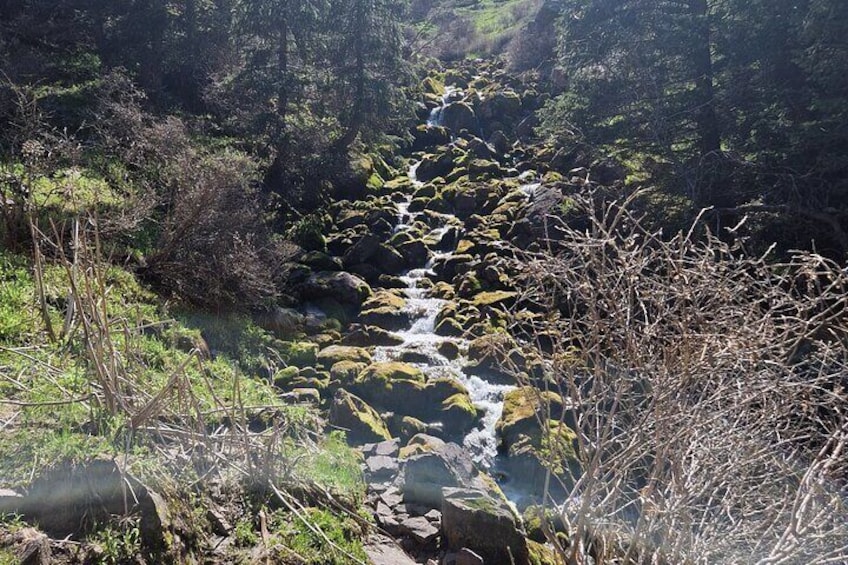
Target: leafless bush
{"type": "Point", "coordinates": [213, 249]}
{"type": "Point", "coordinates": [710, 390]}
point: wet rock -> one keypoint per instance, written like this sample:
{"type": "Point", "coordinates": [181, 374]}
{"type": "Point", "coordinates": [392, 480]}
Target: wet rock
{"type": "Point", "coordinates": [389, 260]}
{"type": "Point", "coordinates": [436, 465]}
{"type": "Point", "coordinates": [363, 423]}
{"type": "Point", "coordinates": [433, 166]}
{"type": "Point", "coordinates": [385, 309]}
{"type": "Point", "coordinates": [282, 322]}
{"type": "Point", "coordinates": [347, 289]}
{"type": "Point", "coordinates": [391, 385]}
{"type": "Point", "coordinates": [429, 137]}
{"type": "Point", "coordinates": [331, 355]}
{"type": "Point", "coordinates": [361, 251]}
{"type": "Point", "coordinates": [448, 349]}
{"type": "Point", "coordinates": [471, 519]}
{"type": "Point", "coordinates": [524, 409]}
{"type": "Point", "coordinates": [414, 252]}
{"type": "Point", "coordinates": [318, 261]}
{"type": "Point", "coordinates": [458, 116]}
{"type": "Point", "coordinates": [366, 336]}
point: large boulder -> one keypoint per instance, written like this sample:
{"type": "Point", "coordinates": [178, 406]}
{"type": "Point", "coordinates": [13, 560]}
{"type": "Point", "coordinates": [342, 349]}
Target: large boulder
{"type": "Point", "coordinates": [433, 166]}
{"type": "Point", "coordinates": [458, 116]}
{"type": "Point", "coordinates": [331, 355]}
{"type": "Point", "coordinates": [486, 525]}
{"type": "Point", "coordinates": [428, 137]}
{"type": "Point", "coordinates": [534, 435]}
{"type": "Point", "coordinates": [432, 466]}
{"type": "Point", "coordinates": [345, 288]}
{"type": "Point", "coordinates": [391, 385]}
{"type": "Point", "coordinates": [524, 411]}
{"type": "Point", "coordinates": [363, 423]}
{"type": "Point", "coordinates": [385, 309]}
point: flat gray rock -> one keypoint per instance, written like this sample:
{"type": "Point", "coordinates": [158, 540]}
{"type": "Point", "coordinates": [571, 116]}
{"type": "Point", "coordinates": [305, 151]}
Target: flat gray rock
{"type": "Point", "coordinates": [383, 551]}
{"type": "Point", "coordinates": [420, 529]}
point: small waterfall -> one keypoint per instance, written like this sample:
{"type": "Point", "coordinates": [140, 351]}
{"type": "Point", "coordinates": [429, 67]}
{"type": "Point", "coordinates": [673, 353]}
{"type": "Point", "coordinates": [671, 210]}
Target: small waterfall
{"type": "Point", "coordinates": [451, 93]}
{"type": "Point", "coordinates": [422, 344]}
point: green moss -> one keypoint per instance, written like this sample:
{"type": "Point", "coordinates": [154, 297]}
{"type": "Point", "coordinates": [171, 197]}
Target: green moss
{"type": "Point", "coordinates": [542, 554]}
{"type": "Point", "coordinates": [460, 403]}
{"type": "Point", "coordinates": [385, 373]}
{"type": "Point", "coordinates": [493, 297]}
{"type": "Point", "coordinates": [331, 355]}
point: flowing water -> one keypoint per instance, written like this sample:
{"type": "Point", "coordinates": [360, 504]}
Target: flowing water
{"type": "Point", "coordinates": [421, 344]}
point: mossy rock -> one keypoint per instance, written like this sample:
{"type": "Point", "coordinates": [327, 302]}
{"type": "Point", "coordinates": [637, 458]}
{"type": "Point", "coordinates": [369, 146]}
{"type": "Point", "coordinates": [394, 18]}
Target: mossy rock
{"type": "Point", "coordinates": [525, 408]}
{"type": "Point", "coordinates": [383, 299]}
{"type": "Point", "coordinates": [419, 444]}
{"type": "Point", "coordinates": [362, 423]}
{"type": "Point", "coordinates": [301, 353]}
{"type": "Point", "coordinates": [450, 327]}
{"type": "Point", "coordinates": [283, 378]}
{"type": "Point", "coordinates": [459, 414]}
{"type": "Point", "coordinates": [345, 372]}
{"type": "Point", "coordinates": [496, 297]}
{"type": "Point", "coordinates": [426, 191]}
{"type": "Point", "coordinates": [541, 554]}
{"type": "Point", "coordinates": [431, 85]}
{"type": "Point", "coordinates": [398, 184]}
{"type": "Point", "coordinates": [389, 371]}
{"type": "Point", "coordinates": [331, 355]}
{"type": "Point", "coordinates": [319, 261]}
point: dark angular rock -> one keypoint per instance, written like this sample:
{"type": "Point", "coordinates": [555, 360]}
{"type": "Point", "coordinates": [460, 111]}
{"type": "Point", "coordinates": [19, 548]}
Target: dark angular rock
{"type": "Point", "coordinates": [471, 519]}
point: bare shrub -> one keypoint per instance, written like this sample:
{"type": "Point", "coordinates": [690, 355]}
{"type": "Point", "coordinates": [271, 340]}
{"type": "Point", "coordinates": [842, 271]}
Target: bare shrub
{"type": "Point", "coordinates": [710, 390]}
{"type": "Point", "coordinates": [211, 246]}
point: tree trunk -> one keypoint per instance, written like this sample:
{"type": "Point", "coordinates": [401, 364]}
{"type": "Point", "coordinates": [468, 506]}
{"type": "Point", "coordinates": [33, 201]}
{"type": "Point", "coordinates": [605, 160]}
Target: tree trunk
{"type": "Point", "coordinates": [709, 136]}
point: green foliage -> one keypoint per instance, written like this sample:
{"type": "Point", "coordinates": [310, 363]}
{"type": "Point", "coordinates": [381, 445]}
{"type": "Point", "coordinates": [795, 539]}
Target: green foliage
{"type": "Point", "coordinates": [334, 466]}
{"type": "Point", "coordinates": [118, 544]}
{"type": "Point", "coordinates": [343, 533]}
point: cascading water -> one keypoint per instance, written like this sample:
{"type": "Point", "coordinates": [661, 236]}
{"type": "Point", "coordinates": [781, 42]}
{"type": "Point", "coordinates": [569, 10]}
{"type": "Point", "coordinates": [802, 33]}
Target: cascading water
{"type": "Point", "coordinates": [451, 93]}
{"type": "Point", "coordinates": [421, 345]}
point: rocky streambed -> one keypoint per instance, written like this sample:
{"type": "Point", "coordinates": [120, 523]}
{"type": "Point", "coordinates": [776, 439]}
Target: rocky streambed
{"type": "Point", "coordinates": [435, 372]}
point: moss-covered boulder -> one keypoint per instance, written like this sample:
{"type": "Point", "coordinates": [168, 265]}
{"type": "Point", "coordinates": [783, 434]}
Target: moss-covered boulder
{"type": "Point", "coordinates": [319, 261]}
{"type": "Point", "coordinates": [524, 412]}
{"type": "Point", "coordinates": [426, 137]}
{"type": "Point", "coordinates": [344, 288]}
{"type": "Point", "coordinates": [331, 355]}
{"type": "Point", "coordinates": [433, 166]}
{"type": "Point", "coordinates": [490, 355]}
{"type": "Point", "coordinates": [458, 414]}
{"type": "Point", "coordinates": [299, 353]}
{"type": "Point", "coordinates": [371, 336]}
{"type": "Point", "coordinates": [385, 309]}
{"type": "Point", "coordinates": [414, 253]}
{"type": "Point", "coordinates": [536, 441]}
{"type": "Point", "coordinates": [458, 116]}
{"type": "Point", "coordinates": [344, 373]}
{"type": "Point", "coordinates": [362, 423]}
{"type": "Point", "coordinates": [494, 298]}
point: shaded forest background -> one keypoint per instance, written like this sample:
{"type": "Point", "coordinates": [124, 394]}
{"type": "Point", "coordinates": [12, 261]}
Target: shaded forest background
{"type": "Point", "coordinates": [260, 112]}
